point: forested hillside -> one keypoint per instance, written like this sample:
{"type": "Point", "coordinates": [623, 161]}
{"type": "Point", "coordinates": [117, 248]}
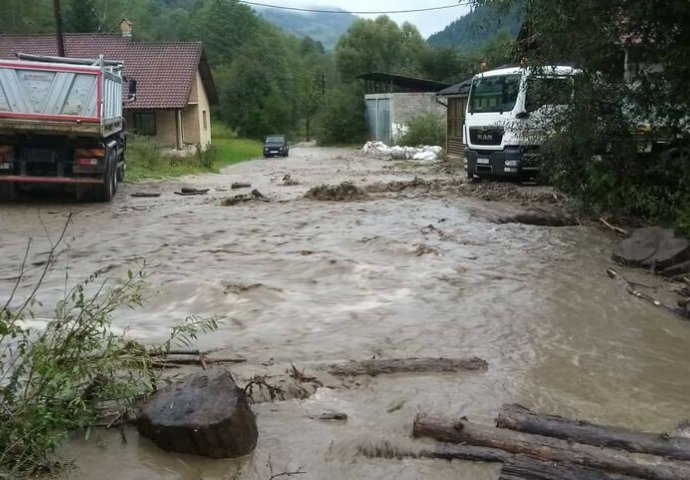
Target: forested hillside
{"type": "Point", "coordinates": [473, 30]}
{"type": "Point", "coordinates": [322, 27]}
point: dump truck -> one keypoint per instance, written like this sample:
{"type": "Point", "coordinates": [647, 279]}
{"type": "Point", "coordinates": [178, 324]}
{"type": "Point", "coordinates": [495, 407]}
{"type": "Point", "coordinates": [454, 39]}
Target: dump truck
{"type": "Point", "coordinates": [61, 123]}
{"type": "Point", "coordinates": [504, 106]}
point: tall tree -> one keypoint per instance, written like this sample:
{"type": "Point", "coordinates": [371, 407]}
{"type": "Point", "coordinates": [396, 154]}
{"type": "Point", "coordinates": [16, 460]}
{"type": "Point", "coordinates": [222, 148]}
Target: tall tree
{"type": "Point", "coordinates": [81, 16]}
{"type": "Point", "coordinates": [379, 46]}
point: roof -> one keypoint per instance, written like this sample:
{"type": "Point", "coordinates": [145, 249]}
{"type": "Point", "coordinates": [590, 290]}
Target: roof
{"type": "Point", "coordinates": [461, 89]}
{"type": "Point", "coordinates": [165, 71]}
{"type": "Point", "coordinates": [408, 83]}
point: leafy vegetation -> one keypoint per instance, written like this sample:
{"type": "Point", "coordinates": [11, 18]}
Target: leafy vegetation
{"type": "Point", "coordinates": [145, 160]}
{"type": "Point", "coordinates": [622, 146]}
{"type": "Point", "coordinates": [67, 372]}
{"type": "Point", "coordinates": [424, 129]}
{"type": "Point", "coordinates": [472, 31]}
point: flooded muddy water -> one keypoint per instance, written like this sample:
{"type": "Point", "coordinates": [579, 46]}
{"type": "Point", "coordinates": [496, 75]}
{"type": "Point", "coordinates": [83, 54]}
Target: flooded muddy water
{"type": "Point", "coordinates": [313, 282]}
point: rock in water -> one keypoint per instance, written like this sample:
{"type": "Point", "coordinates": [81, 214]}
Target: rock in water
{"type": "Point", "coordinates": [652, 247]}
{"type": "Point", "coordinates": [204, 414]}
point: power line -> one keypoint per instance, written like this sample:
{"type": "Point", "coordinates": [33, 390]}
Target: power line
{"type": "Point", "coordinates": [281, 7]}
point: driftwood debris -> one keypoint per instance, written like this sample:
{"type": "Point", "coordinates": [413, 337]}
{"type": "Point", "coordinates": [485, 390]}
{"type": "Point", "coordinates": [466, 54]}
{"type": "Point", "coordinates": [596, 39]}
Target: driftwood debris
{"type": "Point", "coordinates": [522, 467]}
{"type": "Point", "coordinates": [613, 227]}
{"type": "Point", "coordinates": [445, 451]}
{"type": "Point", "coordinates": [406, 365]}
{"type": "Point", "coordinates": [550, 449]}
{"type": "Point", "coordinates": [188, 191]}
{"type": "Point", "coordinates": [517, 417]}
{"type": "Point", "coordinates": [145, 194]}
{"type": "Point", "coordinates": [630, 288]}
{"type": "Point", "coordinates": [237, 185]}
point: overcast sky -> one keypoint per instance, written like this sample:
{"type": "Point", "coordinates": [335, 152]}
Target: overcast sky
{"type": "Point", "coordinates": [426, 22]}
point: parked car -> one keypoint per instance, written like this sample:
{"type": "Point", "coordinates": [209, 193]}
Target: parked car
{"type": "Point", "coordinates": [276, 145]}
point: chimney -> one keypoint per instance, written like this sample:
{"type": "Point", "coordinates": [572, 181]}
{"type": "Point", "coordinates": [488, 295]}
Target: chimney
{"type": "Point", "coordinates": [126, 28]}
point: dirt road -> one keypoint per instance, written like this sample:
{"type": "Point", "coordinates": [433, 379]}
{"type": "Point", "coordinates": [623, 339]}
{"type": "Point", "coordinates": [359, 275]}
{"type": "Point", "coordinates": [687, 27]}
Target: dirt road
{"type": "Point", "coordinates": [313, 282]}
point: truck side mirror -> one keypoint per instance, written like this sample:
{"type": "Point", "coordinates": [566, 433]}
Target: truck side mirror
{"type": "Point", "coordinates": [132, 86]}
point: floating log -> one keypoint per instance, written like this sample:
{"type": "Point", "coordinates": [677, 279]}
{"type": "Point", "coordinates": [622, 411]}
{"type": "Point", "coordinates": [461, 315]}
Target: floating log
{"type": "Point", "coordinates": [517, 417]}
{"type": "Point", "coordinates": [385, 449]}
{"type": "Point", "coordinates": [630, 288]}
{"type": "Point", "coordinates": [522, 467]}
{"type": "Point", "coordinates": [550, 449]}
{"type": "Point", "coordinates": [406, 365]}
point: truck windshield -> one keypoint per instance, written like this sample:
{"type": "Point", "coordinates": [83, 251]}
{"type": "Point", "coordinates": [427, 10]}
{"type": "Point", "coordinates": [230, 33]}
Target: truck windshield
{"type": "Point", "coordinates": [276, 139]}
{"type": "Point", "coordinates": [494, 94]}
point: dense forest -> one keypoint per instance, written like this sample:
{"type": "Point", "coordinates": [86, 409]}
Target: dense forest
{"type": "Point", "coordinates": [470, 32]}
{"type": "Point", "coordinates": [269, 80]}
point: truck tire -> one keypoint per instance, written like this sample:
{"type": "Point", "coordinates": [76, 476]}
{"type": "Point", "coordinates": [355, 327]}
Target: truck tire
{"type": "Point", "coordinates": [106, 191]}
{"type": "Point", "coordinates": [8, 191]}
{"type": "Point", "coordinates": [103, 192]}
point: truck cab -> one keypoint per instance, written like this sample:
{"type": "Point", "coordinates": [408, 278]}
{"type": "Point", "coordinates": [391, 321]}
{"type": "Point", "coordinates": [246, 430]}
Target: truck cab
{"type": "Point", "coordinates": [502, 128]}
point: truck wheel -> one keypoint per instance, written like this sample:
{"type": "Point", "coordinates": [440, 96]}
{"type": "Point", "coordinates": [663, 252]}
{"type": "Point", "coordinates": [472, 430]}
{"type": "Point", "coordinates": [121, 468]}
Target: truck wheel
{"type": "Point", "coordinates": [8, 191]}
{"type": "Point", "coordinates": [106, 191]}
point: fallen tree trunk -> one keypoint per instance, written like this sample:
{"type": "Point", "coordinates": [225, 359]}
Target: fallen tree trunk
{"type": "Point", "coordinates": [550, 449]}
{"type": "Point", "coordinates": [385, 449]}
{"type": "Point", "coordinates": [406, 365]}
{"type": "Point", "coordinates": [516, 417]}
{"type": "Point", "coordinates": [522, 467]}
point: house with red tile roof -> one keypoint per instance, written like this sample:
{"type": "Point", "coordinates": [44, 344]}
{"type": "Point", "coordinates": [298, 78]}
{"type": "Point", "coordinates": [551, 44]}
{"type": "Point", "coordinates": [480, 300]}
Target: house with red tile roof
{"type": "Point", "coordinates": [175, 89]}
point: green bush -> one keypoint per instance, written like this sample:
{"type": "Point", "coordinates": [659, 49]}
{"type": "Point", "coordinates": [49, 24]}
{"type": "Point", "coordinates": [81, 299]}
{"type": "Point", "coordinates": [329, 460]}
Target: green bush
{"type": "Point", "coordinates": [424, 129]}
{"type": "Point", "coordinates": [341, 119]}
{"type": "Point", "coordinates": [61, 376]}
{"type": "Point", "coordinates": [221, 130]}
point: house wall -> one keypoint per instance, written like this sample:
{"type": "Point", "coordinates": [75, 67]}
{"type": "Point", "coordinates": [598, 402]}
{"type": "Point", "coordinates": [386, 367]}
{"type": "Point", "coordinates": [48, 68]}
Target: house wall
{"type": "Point", "coordinates": [165, 127]}
{"type": "Point", "coordinates": [196, 131]}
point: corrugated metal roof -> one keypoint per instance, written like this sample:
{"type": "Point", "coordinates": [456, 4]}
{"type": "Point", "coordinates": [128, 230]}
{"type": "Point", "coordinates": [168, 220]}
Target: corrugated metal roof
{"type": "Point", "coordinates": [461, 89]}
{"type": "Point", "coordinates": [408, 83]}
{"type": "Point", "coordinates": [164, 71]}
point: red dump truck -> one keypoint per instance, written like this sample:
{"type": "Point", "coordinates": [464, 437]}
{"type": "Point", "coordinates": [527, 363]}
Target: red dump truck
{"type": "Point", "coordinates": [61, 123]}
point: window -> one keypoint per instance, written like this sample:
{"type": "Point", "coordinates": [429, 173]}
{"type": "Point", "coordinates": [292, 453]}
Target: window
{"type": "Point", "coordinates": [495, 93]}
{"type": "Point", "coordinates": [203, 114]}
{"type": "Point", "coordinates": [145, 123]}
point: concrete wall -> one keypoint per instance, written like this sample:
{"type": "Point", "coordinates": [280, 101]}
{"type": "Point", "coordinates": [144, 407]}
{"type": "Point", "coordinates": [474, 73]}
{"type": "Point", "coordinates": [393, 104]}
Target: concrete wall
{"type": "Point", "coordinates": [404, 106]}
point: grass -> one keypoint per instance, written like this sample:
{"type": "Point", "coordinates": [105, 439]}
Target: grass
{"type": "Point", "coordinates": [145, 161]}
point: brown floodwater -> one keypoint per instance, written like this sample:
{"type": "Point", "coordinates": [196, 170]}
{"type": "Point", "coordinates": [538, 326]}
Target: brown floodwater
{"type": "Point", "coordinates": [334, 281]}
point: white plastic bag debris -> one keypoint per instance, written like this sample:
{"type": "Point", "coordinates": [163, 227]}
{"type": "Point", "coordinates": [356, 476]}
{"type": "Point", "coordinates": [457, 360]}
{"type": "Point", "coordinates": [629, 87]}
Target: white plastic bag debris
{"type": "Point", "coordinates": [376, 148]}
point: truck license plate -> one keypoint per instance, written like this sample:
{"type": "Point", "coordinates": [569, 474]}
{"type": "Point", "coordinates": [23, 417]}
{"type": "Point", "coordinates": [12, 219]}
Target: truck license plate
{"type": "Point", "coordinates": [483, 161]}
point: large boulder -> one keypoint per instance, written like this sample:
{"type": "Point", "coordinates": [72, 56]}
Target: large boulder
{"type": "Point", "coordinates": [652, 247]}
{"type": "Point", "coordinates": [204, 414]}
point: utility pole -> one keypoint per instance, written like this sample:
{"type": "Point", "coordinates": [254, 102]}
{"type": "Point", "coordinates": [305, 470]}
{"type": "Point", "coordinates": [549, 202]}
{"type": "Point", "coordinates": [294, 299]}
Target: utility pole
{"type": "Point", "coordinates": [58, 28]}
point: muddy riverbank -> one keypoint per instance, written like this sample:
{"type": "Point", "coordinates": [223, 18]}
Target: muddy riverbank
{"type": "Point", "coordinates": [400, 272]}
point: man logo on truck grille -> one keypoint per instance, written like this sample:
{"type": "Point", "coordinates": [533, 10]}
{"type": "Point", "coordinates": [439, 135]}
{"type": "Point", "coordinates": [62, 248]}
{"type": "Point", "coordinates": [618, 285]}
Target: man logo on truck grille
{"type": "Point", "coordinates": [485, 137]}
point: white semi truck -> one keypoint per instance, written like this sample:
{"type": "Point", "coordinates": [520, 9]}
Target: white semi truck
{"type": "Point", "coordinates": [61, 122]}
{"type": "Point", "coordinates": [502, 118]}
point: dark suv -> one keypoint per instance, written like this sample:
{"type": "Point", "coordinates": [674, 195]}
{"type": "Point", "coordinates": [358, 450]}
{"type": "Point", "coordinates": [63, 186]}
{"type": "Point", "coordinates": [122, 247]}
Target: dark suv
{"type": "Point", "coordinates": [276, 145]}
